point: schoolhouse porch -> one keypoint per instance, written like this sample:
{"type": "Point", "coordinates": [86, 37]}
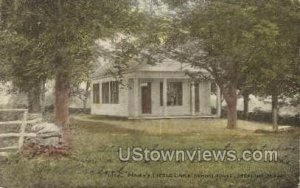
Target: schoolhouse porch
{"type": "Point", "coordinates": [154, 94]}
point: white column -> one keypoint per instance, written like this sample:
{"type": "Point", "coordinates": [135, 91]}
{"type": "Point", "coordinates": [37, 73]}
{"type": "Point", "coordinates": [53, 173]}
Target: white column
{"type": "Point", "coordinates": [218, 100]}
{"type": "Point", "coordinates": [165, 82]}
{"type": "Point", "coordinates": [193, 98]}
{"type": "Point", "coordinates": [136, 96]}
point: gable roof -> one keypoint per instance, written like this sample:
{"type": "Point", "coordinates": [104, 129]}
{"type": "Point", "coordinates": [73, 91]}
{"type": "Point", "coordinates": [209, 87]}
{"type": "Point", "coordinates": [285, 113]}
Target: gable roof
{"type": "Point", "coordinates": [167, 65]}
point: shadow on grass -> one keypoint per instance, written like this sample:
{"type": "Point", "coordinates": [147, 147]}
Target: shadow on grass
{"type": "Point", "coordinates": [102, 117]}
{"type": "Point", "coordinates": [102, 127]}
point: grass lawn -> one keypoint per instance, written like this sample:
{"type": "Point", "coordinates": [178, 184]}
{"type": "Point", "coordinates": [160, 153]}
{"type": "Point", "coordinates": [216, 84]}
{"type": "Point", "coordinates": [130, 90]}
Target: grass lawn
{"type": "Point", "coordinates": [94, 156]}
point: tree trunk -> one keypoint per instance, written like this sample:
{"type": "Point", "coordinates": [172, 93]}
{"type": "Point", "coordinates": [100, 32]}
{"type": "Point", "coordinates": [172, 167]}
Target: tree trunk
{"type": "Point", "coordinates": [34, 103]}
{"type": "Point", "coordinates": [246, 105]}
{"type": "Point", "coordinates": [232, 115]}
{"type": "Point", "coordinates": [84, 103]}
{"type": "Point", "coordinates": [86, 94]}
{"type": "Point", "coordinates": [275, 112]}
{"type": "Point", "coordinates": [62, 94]}
{"type": "Point", "coordinates": [231, 100]}
{"type": "Point", "coordinates": [43, 95]}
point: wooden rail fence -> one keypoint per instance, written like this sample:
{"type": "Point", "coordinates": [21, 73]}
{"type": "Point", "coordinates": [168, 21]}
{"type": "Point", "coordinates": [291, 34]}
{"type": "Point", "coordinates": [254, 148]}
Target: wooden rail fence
{"type": "Point", "coordinates": [22, 134]}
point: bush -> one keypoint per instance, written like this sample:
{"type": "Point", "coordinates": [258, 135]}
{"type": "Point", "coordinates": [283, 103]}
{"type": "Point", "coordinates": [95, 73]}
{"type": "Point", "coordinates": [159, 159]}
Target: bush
{"type": "Point", "coordinates": [261, 116]}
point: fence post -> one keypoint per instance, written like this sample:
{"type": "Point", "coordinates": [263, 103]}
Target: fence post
{"type": "Point", "coordinates": [23, 128]}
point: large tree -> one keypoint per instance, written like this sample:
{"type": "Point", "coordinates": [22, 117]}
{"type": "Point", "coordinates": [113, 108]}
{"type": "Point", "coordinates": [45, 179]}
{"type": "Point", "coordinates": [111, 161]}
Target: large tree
{"type": "Point", "coordinates": [224, 38]}
{"type": "Point", "coordinates": [67, 30]}
{"type": "Point", "coordinates": [21, 61]}
{"type": "Point", "coordinates": [277, 71]}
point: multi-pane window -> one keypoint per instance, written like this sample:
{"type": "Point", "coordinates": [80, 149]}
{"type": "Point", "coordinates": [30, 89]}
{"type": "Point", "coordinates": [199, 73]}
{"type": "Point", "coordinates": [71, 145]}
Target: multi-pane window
{"type": "Point", "coordinates": [105, 93]}
{"type": "Point", "coordinates": [114, 92]}
{"type": "Point", "coordinates": [110, 92]}
{"type": "Point", "coordinates": [174, 93]}
{"type": "Point", "coordinates": [96, 93]}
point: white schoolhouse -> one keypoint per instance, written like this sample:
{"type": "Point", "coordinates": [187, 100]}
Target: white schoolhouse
{"type": "Point", "coordinates": [163, 90]}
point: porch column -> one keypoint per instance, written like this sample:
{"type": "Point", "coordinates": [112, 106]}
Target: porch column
{"type": "Point", "coordinates": [193, 98]}
{"type": "Point", "coordinates": [165, 82]}
{"type": "Point", "coordinates": [218, 100]}
{"type": "Point", "coordinates": [136, 97]}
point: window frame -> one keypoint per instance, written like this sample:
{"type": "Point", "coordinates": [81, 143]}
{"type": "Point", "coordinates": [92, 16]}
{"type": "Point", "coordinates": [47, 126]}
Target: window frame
{"type": "Point", "coordinates": [96, 93]}
{"type": "Point", "coordinates": [114, 97]}
{"type": "Point", "coordinates": [177, 91]}
{"type": "Point", "coordinates": [161, 93]}
{"type": "Point", "coordinates": [107, 92]}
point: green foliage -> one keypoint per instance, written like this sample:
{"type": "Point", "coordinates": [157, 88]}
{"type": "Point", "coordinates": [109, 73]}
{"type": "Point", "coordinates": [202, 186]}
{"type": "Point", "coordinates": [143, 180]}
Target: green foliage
{"type": "Point", "coordinates": [251, 44]}
{"type": "Point", "coordinates": [20, 61]}
{"type": "Point", "coordinates": [279, 68]}
{"type": "Point", "coordinates": [59, 35]}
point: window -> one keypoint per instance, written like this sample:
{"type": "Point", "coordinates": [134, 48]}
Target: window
{"type": "Point", "coordinates": [105, 93]}
{"type": "Point", "coordinates": [114, 92]}
{"type": "Point", "coordinates": [110, 92]}
{"type": "Point", "coordinates": [96, 92]}
{"type": "Point", "coordinates": [174, 94]}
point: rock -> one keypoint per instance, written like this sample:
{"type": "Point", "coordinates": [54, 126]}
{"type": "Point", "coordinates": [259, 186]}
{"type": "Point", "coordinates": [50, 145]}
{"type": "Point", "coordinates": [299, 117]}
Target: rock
{"type": "Point", "coordinates": [45, 128]}
{"type": "Point", "coordinates": [47, 134]}
{"type": "Point", "coordinates": [50, 141]}
{"type": "Point", "coordinates": [32, 116]}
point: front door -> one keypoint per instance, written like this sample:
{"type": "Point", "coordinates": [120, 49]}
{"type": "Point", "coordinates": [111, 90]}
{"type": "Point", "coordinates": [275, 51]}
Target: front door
{"type": "Point", "coordinates": [146, 98]}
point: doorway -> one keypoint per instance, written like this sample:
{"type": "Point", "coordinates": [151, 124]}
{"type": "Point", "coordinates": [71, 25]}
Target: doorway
{"type": "Point", "coordinates": [146, 98]}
